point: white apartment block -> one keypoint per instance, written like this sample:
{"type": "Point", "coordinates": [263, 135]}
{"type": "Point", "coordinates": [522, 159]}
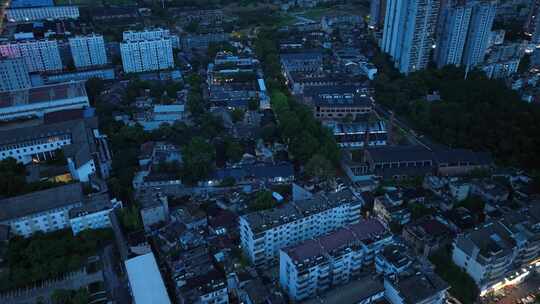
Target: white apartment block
{"type": "Point", "coordinates": [40, 100]}
{"type": "Point", "coordinates": [151, 34]}
{"type": "Point", "coordinates": [55, 209]}
{"type": "Point", "coordinates": [93, 215]}
{"type": "Point", "coordinates": [13, 74]}
{"type": "Point", "coordinates": [264, 233]}
{"type": "Point", "coordinates": [88, 51]}
{"type": "Point", "coordinates": [39, 55]}
{"type": "Point", "coordinates": [147, 55]}
{"type": "Point", "coordinates": [317, 265]}
{"type": "Point", "coordinates": [44, 211]}
{"type": "Point", "coordinates": [24, 14]}
{"type": "Point", "coordinates": [500, 253]}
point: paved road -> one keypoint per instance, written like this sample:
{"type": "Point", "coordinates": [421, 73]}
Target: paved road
{"type": "Point", "coordinates": [516, 293]}
{"type": "Point", "coordinates": [116, 286]}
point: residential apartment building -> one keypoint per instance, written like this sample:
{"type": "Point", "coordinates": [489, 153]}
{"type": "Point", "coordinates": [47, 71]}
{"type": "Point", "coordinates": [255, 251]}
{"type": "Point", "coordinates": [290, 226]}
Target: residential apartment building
{"type": "Point", "coordinates": [480, 26]}
{"type": "Point", "coordinates": [13, 74]}
{"type": "Point", "coordinates": [94, 214]}
{"type": "Point", "coordinates": [159, 115]}
{"type": "Point", "coordinates": [263, 233]}
{"type": "Point", "coordinates": [486, 254]}
{"type": "Point", "coordinates": [25, 14]}
{"type": "Point", "coordinates": [151, 34]}
{"type": "Point", "coordinates": [452, 31]}
{"type": "Point", "coordinates": [39, 55]}
{"type": "Point", "coordinates": [40, 100]}
{"type": "Point", "coordinates": [88, 51]}
{"type": "Point", "coordinates": [146, 55]}
{"type": "Point", "coordinates": [85, 149]}
{"type": "Point", "coordinates": [409, 33]}
{"type": "Point", "coordinates": [154, 208]}
{"type": "Point", "coordinates": [54, 209]}
{"type": "Point", "coordinates": [45, 211]}
{"type": "Point", "coordinates": [390, 209]}
{"type": "Point", "coordinates": [419, 288]}
{"type": "Point", "coordinates": [393, 260]}
{"type": "Point", "coordinates": [316, 265]}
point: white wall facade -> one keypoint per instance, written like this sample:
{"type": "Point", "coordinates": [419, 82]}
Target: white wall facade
{"type": "Point", "coordinates": [13, 74]}
{"type": "Point", "coordinates": [88, 51]}
{"type": "Point", "coordinates": [39, 55]}
{"type": "Point", "coordinates": [147, 55]}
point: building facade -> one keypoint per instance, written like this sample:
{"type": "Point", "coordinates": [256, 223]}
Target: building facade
{"type": "Point", "coordinates": [151, 34]}
{"type": "Point", "coordinates": [480, 26]}
{"type": "Point", "coordinates": [13, 74]}
{"type": "Point", "coordinates": [263, 233]}
{"type": "Point", "coordinates": [88, 51]}
{"type": "Point", "coordinates": [146, 55]}
{"type": "Point", "coordinates": [452, 32]}
{"type": "Point", "coordinates": [94, 214]}
{"type": "Point", "coordinates": [24, 14]}
{"type": "Point", "coordinates": [41, 211]}
{"type": "Point", "coordinates": [39, 55]}
{"type": "Point", "coordinates": [409, 33]}
{"type": "Point", "coordinates": [316, 265]}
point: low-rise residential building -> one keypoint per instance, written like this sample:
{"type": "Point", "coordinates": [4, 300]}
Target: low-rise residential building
{"type": "Point", "coordinates": [426, 235]}
{"type": "Point", "coordinates": [41, 211]}
{"type": "Point", "coordinates": [94, 214]}
{"type": "Point", "coordinates": [316, 265]}
{"type": "Point", "coordinates": [154, 208]}
{"type": "Point", "coordinates": [263, 233]}
{"type": "Point", "coordinates": [159, 115]}
{"type": "Point", "coordinates": [208, 288]}
{"type": "Point", "coordinates": [392, 260]}
{"type": "Point", "coordinates": [40, 100]}
{"type": "Point", "coordinates": [390, 208]}
{"type": "Point", "coordinates": [419, 288]}
{"type": "Point", "coordinates": [486, 254]}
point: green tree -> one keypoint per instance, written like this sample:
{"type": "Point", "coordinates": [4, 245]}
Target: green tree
{"type": "Point", "coordinates": [237, 115]}
{"type": "Point", "coordinates": [320, 168]}
{"type": "Point", "coordinates": [199, 158]}
{"type": "Point", "coordinates": [263, 200]}
{"type": "Point", "coordinates": [233, 150]}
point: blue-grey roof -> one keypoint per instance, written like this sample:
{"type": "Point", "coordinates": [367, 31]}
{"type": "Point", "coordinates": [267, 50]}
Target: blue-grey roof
{"type": "Point", "coordinates": [256, 171]}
